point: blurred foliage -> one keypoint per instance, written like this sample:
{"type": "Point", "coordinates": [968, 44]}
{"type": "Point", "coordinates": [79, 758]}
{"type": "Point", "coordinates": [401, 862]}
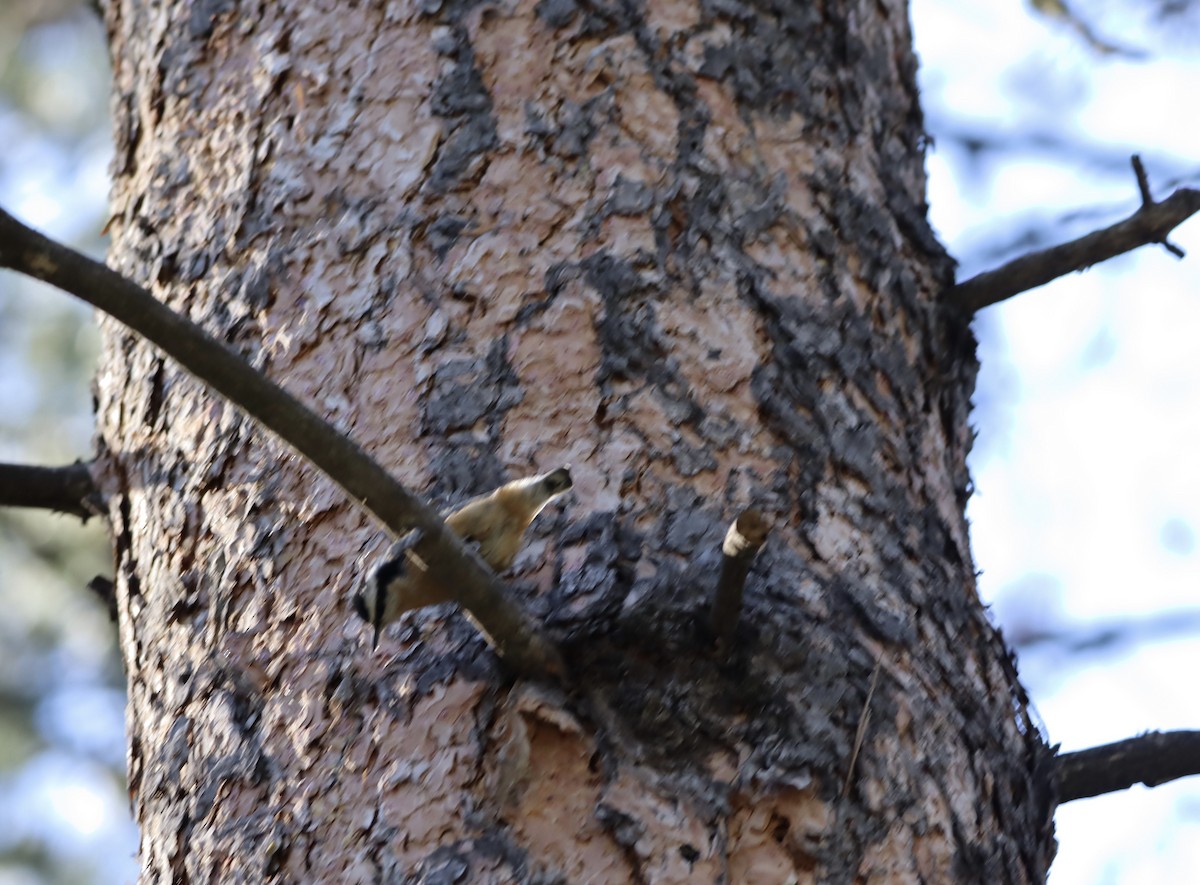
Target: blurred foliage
{"type": "Point", "coordinates": [54, 66]}
{"type": "Point", "coordinates": [63, 810]}
{"type": "Point", "coordinates": [1124, 29]}
{"type": "Point", "coordinates": [1057, 10]}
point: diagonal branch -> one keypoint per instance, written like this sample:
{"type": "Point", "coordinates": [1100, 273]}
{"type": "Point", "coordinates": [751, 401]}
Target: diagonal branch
{"type": "Point", "coordinates": [1151, 223]}
{"type": "Point", "coordinates": [1150, 759]}
{"type": "Point", "coordinates": [68, 489]}
{"type": "Point", "coordinates": [517, 639]}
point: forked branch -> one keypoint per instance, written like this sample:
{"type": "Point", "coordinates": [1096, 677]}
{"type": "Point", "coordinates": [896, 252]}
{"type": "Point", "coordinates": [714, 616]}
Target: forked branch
{"type": "Point", "coordinates": [1152, 223]}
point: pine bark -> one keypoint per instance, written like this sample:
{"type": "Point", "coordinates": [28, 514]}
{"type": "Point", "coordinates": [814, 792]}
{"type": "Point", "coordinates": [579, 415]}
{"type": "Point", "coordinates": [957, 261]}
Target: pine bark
{"type": "Point", "coordinates": [680, 246]}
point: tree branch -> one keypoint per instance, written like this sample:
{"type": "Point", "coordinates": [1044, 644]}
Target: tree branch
{"type": "Point", "coordinates": [68, 489]}
{"type": "Point", "coordinates": [1105, 636]}
{"type": "Point", "coordinates": [745, 536]}
{"type": "Point", "coordinates": [1150, 759]}
{"type": "Point", "coordinates": [1149, 224]}
{"type": "Point", "coordinates": [516, 638]}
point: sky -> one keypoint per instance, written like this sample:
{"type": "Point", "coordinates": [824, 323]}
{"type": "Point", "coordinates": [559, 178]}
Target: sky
{"type": "Point", "coordinates": [1088, 412]}
{"type": "Point", "coordinates": [1087, 502]}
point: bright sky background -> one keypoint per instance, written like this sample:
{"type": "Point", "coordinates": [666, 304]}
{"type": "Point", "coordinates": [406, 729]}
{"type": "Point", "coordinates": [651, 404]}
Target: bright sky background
{"type": "Point", "coordinates": [1086, 469]}
{"type": "Point", "coordinates": [1088, 502]}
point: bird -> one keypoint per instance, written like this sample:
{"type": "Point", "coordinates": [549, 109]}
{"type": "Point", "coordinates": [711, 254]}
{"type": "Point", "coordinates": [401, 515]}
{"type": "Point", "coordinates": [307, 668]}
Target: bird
{"type": "Point", "coordinates": [496, 522]}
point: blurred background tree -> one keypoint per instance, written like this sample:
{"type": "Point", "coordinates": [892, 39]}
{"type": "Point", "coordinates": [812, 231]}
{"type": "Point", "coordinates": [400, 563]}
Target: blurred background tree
{"type": "Point", "coordinates": [63, 808]}
{"type": "Point", "coordinates": [1088, 411]}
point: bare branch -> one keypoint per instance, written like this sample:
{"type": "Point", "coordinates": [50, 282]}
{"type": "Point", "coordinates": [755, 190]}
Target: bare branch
{"type": "Point", "coordinates": [1150, 759]}
{"type": "Point", "coordinates": [1149, 224]}
{"type": "Point", "coordinates": [68, 489]}
{"type": "Point", "coordinates": [1104, 636]}
{"type": "Point", "coordinates": [107, 592]}
{"type": "Point", "coordinates": [1143, 181]}
{"type": "Point", "coordinates": [517, 639]}
{"type": "Point", "coordinates": [745, 536]}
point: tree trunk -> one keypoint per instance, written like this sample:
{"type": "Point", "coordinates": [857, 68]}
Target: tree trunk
{"type": "Point", "coordinates": [680, 246]}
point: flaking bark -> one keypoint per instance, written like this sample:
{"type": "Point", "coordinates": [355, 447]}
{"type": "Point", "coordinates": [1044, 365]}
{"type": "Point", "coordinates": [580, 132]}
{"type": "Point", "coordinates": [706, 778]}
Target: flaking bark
{"type": "Point", "coordinates": [680, 247]}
